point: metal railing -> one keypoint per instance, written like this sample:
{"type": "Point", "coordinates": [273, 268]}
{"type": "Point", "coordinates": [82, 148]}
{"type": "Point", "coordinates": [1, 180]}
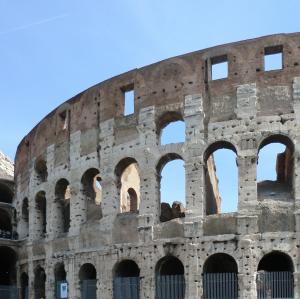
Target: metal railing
{"type": "Point", "coordinates": [170, 287]}
{"type": "Point", "coordinates": [127, 288]}
{"type": "Point", "coordinates": [220, 286]}
{"type": "Point", "coordinates": [275, 285]}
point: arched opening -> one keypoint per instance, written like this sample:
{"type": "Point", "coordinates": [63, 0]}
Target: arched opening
{"type": "Point", "coordinates": [128, 180]}
{"type": "Point", "coordinates": [25, 216]}
{"type": "Point", "coordinates": [5, 225]}
{"type": "Point", "coordinates": [88, 281]}
{"type": "Point", "coordinates": [41, 170]}
{"type": "Point", "coordinates": [275, 276]}
{"type": "Point", "coordinates": [6, 194]}
{"type": "Point", "coordinates": [171, 172]}
{"type": "Point", "coordinates": [24, 286]}
{"type": "Point", "coordinates": [39, 283]}
{"type": "Point", "coordinates": [169, 278]}
{"type": "Point", "coordinates": [41, 214]}
{"type": "Point", "coordinates": [221, 178]}
{"type": "Point", "coordinates": [92, 192]}
{"type": "Point", "coordinates": [127, 280]}
{"type": "Point", "coordinates": [220, 277]}
{"type": "Point", "coordinates": [275, 169]}
{"type": "Point", "coordinates": [171, 128]}
{"type": "Point", "coordinates": [60, 281]}
{"type": "Point", "coordinates": [62, 206]}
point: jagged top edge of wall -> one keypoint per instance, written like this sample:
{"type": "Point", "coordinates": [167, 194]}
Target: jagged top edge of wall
{"type": "Point", "coordinates": [169, 80]}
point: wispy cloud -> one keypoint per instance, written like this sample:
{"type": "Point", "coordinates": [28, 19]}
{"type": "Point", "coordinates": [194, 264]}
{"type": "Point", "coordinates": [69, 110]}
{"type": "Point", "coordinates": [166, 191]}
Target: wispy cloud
{"type": "Point", "coordinates": [33, 24]}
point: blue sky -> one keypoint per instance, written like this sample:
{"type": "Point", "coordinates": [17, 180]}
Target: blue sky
{"type": "Point", "coordinates": [52, 50]}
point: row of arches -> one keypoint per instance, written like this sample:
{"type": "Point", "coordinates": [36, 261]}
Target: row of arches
{"type": "Point", "coordinates": [171, 180]}
{"type": "Point", "coordinates": [274, 278]}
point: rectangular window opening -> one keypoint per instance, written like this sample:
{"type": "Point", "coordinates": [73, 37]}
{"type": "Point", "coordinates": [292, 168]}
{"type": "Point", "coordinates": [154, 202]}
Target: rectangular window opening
{"type": "Point", "coordinates": [273, 58]}
{"type": "Point", "coordinates": [219, 67]}
{"type": "Point", "coordinates": [128, 100]}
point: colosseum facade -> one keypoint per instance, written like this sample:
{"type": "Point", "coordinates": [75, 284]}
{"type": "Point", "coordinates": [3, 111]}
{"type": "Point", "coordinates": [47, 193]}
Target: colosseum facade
{"type": "Point", "coordinates": [87, 219]}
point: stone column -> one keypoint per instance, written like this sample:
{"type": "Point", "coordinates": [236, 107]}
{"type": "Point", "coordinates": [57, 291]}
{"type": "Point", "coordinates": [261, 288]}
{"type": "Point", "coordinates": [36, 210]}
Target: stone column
{"type": "Point", "coordinates": [194, 170]}
{"type": "Point", "coordinates": [296, 284]}
{"type": "Point", "coordinates": [71, 278]}
{"type": "Point", "coordinates": [247, 183]}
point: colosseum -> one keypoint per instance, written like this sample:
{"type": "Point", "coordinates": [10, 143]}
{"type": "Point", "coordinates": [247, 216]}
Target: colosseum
{"type": "Point", "coordinates": [82, 216]}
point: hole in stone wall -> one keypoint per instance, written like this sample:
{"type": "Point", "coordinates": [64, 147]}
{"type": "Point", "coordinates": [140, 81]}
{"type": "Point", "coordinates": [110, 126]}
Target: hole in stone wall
{"type": "Point", "coordinates": [92, 191]}
{"type": "Point", "coordinates": [275, 169]}
{"type": "Point", "coordinates": [273, 58]}
{"type": "Point", "coordinates": [128, 92]}
{"type": "Point", "coordinates": [221, 179]}
{"type": "Point", "coordinates": [63, 120]}
{"type": "Point", "coordinates": [24, 286]}
{"type": "Point", "coordinates": [174, 132]}
{"type": "Point", "coordinates": [128, 178]}
{"type": "Point", "coordinates": [219, 67]}
{"type": "Point", "coordinates": [172, 187]}
{"type": "Point", "coordinates": [127, 268]}
{"type": "Point", "coordinates": [5, 225]}
{"type": "Point", "coordinates": [8, 260]}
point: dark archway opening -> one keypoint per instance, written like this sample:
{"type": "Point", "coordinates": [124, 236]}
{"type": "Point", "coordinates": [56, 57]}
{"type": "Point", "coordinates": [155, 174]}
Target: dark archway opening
{"type": "Point", "coordinates": [41, 170]}
{"type": "Point", "coordinates": [39, 283]}
{"type": "Point", "coordinates": [62, 201]}
{"type": "Point", "coordinates": [60, 281]}
{"type": "Point", "coordinates": [170, 278]}
{"type": "Point", "coordinates": [5, 225]}
{"type": "Point", "coordinates": [275, 276]}
{"type": "Point", "coordinates": [88, 281]}
{"type": "Point", "coordinates": [220, 277]}
{"type": "Point", "coordinates": [6, 195]}
{"type": "Point", "coordinates": [127, 280]}
{"type": "Point", "coordinates": [41, 217]}
{"type": "Point", "coordinates": [24, 286]}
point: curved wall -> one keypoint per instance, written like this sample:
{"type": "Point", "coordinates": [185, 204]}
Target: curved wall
{"type": "Point", "coordinates": [90, 131]}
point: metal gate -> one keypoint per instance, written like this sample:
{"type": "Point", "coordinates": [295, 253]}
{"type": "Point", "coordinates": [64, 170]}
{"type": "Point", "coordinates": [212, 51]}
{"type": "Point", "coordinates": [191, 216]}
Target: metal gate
{"type": "Point", "coordinates": [275, 285]}
{"type": "Point", "coordinates": [39, 293]}
{"type": "Point", "coordinates": [89, 289]}
{"type": "Point", "coordinates": [127, 288]}
{"type": "Point", "coordinates": [220, 286]}
{"type": "Point", "coordinates": [24, 292]}
{"type": "Point", "coordinates": [170, 287]}
{"type": "Point", "coordinates": [8, 292]}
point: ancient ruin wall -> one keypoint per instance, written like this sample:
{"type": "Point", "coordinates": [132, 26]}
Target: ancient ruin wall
{"type": "Point", "coordinates": [249, 108]}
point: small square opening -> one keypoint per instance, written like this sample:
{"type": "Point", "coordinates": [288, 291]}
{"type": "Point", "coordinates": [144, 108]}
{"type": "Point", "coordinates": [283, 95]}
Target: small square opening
{"type": "Point", "coordinates": [273, 58]}
{"type": "Point", "coordinates": [219, 67]}
{"type": "Point", "coordinates": [128, 100]}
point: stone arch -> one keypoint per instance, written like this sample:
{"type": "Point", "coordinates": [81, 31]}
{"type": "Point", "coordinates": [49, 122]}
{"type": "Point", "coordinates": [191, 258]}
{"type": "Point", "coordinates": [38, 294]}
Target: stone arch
{"type": "Point", "coordinates": [275, 276]}
{"type": "Point", "coordinates": [220, 276]}
{"type": "Point", "coordinates": [60, 276]}
{"type": "Point", "coordinates": [8, 259]}
{"type": "Point", "coordinates": [92, 192]}
{"type": "Point", "coordinates": [62, 206]}
{"type": "Point", "coordinates": [126, 279]}
{"type": "Point", "coordinates": [212, 194]}
{"type": "Point", "coordinates": [169, 211]}
{"type": "Point", "coordinates": [169, 272]}
{"type": "Point", "coordinates": [128, 183]}
{"type": "Point", "coordinates": [281, 188]}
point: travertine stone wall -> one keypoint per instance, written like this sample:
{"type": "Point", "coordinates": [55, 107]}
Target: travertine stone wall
{"type": "Point", "coordinates": [90, 131]}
